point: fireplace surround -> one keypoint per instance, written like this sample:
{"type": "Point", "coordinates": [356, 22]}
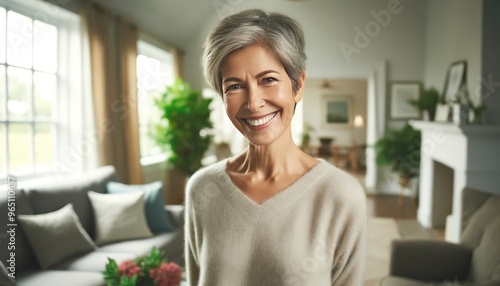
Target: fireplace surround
{"type": "Point", "coordinates": [454, 157]}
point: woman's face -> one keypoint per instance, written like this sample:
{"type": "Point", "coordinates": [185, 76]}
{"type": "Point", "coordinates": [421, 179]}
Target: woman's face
{"type": "Point", "coordinates": [258, 94]}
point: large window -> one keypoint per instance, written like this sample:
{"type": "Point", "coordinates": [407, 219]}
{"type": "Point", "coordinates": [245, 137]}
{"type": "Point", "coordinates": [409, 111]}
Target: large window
{"type": "Point", "coordinates": [34, 89]}
{"type": "Point", "coordinates": [155, 70]}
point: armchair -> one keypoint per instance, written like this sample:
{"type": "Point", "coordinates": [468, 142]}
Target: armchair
{"type": "Point", "coordinates": [475, 261]}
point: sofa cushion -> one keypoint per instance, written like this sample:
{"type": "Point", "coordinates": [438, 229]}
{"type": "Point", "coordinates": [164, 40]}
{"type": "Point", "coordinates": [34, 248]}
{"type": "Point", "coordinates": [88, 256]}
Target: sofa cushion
{"type": "Point", "coordinates": [24, 252]}
{"type": "Point", "coordinates": [158, 220]}
{"type": "Point", "coordinates": [92, 261]}
{"type": "Point", "coordinates": [119, 217]}
{"type": "Point", "coordinates": [54, 196]}
{"type": "Point", "coordinates": [171, 243]}
{"type": "Point", "coordinates": [60, 278]}
{"type": "Point", "coordinates": [399, 281]}
{"type": "Point", "coordinates": [478, 222]}
{"type": "Point", "coordinates": [55, 236]}
{"type": "Point", "coordinates": [486, 257]}
{"type": "Point", "coordinates": [5, 280]}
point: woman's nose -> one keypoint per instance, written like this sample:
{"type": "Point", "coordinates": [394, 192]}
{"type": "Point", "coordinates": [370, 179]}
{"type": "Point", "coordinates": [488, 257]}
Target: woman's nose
{"type": "Point", "coordinates": [255, 99]}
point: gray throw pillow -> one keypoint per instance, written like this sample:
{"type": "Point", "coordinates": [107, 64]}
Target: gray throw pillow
{"type": "Point", "coordinates": [156, 215]}
{"type": "Point", "coordinates": [56, 235]}
{"type": "Point", "coordinates": [119, 217]}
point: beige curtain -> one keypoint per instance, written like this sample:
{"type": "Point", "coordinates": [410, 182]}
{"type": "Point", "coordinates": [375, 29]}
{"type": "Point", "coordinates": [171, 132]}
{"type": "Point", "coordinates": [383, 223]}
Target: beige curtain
{"type": "Point", "coordinates": [113, 52]}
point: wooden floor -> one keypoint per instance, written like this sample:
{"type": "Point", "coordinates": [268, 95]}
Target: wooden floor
{"type": "Point", "coordinates": [389, 206]}
{"type": "Point", "coordinates": [379, 205]}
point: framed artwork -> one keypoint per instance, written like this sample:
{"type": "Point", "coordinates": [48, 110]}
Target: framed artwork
{"type": "Point", "coordinates": [401, 93]}
{"type": "Point", "coordinates": [337, 110]}
{"type": "Point", "coordinates": [455, 78]}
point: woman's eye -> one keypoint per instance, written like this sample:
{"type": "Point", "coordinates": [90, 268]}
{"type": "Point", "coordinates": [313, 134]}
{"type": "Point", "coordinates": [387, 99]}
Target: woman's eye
{"type": "Point", "coordinates": [269, 80]}
{"type": "Point", "coordinates": [233, 87]}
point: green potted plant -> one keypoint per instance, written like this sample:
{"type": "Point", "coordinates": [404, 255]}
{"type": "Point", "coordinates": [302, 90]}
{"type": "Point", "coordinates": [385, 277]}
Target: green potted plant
{"type": "Point", "coordinates": [183, 131]}
{"type": "Point", "coordinates": [400, 150]}
{"type": "Point", "coordinates": [478, 111]}
{"type": "Point", "coordinates": [427, 102]}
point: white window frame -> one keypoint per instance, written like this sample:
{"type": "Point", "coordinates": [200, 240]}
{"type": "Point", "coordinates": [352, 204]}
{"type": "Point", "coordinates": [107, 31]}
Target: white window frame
{"type": "Point", "coordinates": [68, 119]}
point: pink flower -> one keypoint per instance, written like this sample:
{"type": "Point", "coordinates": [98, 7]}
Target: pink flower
{"type": "Point", "coordinates": [129, 268]}
{"type": "Point", "coordinates": [168, 274]}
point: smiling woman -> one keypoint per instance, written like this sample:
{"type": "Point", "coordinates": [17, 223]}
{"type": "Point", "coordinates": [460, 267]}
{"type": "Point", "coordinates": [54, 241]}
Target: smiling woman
{"type": "Point", "coordinates": [271, 215]}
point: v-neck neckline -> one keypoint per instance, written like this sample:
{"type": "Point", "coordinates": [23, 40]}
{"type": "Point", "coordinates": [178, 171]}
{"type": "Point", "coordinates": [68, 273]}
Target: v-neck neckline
{"type": "Point", "coordinates": [278, 200]}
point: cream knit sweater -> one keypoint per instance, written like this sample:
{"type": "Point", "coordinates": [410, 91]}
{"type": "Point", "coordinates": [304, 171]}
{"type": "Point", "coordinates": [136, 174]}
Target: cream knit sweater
{"type": "Point", "coordinates": [312, 233]}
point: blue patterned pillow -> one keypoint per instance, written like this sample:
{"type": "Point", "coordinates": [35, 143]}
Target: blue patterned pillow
{"type": "Point", "coordinates": [157, 217]}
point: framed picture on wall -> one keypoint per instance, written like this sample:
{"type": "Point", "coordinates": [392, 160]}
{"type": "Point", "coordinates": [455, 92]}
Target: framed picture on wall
{"type": "Point", "coordinates": [337, 111]}
{"type": "Point", "coordinates": [455, 78]}
{"type": "Point", "coordinates": [401, 93]}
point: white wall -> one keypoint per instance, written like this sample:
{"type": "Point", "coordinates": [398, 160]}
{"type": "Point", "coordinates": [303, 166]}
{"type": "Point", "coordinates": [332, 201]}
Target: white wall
{"type": "Point", "coordinates": [490, 87]}
{"type": "Point", "coordinates": [453, 32]}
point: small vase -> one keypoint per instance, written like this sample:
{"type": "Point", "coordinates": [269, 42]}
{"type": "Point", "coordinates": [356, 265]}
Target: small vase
{"type": "Point", "coordinates": [460, 114]}
{"type": "Point", "coordinates": [425, 115]}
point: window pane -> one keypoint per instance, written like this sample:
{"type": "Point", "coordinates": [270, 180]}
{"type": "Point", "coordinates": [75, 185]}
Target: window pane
{"type": "Point", "coordinates": [148, 112]}
{"type": "Point", "coordinates": [44, 147]}
{"type": "Point", "coordinates": [155, 70]}
{"type": "Point", "coordinates": [45, 94]}
{"type": "Point", "coordinates": [147, 144]}
{"type": "Point", "coordinates": [2, 35]}
{"type": "Point", "coordinates": [3, 169]}
{"type": "Point", "coordinates": [18, 104]}
{"type": "Point", "coordinates": [2, 92]}
{"type": "Point", "coordinates": [148, 73]}
{"type": "Point", "coordinates": [20, 149]}
{"type": "Point", "coordinates": [45, 47]}
{"type": "Point", "coordinates": [19, 39]}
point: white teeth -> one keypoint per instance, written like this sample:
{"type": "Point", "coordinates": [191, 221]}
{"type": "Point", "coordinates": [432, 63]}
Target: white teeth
{"type": "Point", "coordinates": [261, 121]}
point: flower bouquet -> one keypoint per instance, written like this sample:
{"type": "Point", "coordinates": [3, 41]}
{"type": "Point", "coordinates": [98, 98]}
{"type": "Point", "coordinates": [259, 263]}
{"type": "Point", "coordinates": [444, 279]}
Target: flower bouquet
{"type": "Point", "coordinates": [150, 270]}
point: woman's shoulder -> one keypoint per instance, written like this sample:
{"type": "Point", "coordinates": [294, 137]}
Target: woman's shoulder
{"type": "Point", "coordinates": [207, 174]}
{"type": "Point", "coordinates": [340, 184]}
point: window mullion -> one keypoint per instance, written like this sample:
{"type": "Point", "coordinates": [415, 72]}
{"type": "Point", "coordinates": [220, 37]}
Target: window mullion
{"type": "Point", "coordinates": [6, 149]}
{"type": "Point", "coordinates": [6, 88]}
{"type": "Point", "coordinates": [32, 124]}
{"type": "Point", "coordinates": [32, 99]}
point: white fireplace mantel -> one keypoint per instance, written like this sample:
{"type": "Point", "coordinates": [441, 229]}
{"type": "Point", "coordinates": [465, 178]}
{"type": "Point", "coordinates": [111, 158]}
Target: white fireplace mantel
{"type": "Point", "coordinates": [454, 157]}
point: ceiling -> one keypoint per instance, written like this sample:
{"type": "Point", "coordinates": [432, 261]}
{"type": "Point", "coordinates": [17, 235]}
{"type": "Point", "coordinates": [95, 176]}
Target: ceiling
{"type": "Point", "coordinates": [157, 16]}
{"type": "Point", "coordinates": [177, 21]}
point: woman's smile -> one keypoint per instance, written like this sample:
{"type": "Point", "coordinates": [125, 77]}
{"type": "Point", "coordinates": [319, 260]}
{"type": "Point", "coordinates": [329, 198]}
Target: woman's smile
{"type": "Point", "coordinates": [260, 122]}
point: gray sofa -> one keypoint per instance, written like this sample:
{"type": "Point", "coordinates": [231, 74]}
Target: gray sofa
{"type": "Point", "coordinates": [475, 261]}
{"type": "Point", "coordinates": [85, 268]}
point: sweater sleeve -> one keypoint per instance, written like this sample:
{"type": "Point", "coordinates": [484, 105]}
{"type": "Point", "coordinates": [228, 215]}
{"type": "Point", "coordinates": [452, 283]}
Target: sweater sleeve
{"type": "Point", "coordinates": [351, 249]}
{"type": "Point", "coordinates": [191, 257]}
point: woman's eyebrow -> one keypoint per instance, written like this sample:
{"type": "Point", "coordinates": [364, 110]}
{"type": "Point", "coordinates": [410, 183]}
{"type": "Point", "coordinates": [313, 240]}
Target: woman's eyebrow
{"type": "Point", "coordinates": [266, 72]}
{"type": "Point", "coordinates": [231, 79]}
{"type": "Point", "coordinates": [257, 76]}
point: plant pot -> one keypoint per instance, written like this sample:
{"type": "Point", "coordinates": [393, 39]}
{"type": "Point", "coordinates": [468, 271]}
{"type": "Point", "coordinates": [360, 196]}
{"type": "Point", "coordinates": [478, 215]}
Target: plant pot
{"type": "Point", "coordinates": [403, 181]}
{"type": "Point", "coordinates": [175, 187]}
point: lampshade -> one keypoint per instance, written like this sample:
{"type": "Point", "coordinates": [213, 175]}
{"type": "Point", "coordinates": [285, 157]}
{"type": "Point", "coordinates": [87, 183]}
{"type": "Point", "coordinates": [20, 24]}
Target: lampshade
{"type": "Point", "coordinates": [358, 121]}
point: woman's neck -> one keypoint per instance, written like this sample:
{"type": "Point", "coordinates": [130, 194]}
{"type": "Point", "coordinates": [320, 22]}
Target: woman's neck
{"type": "Point", "coordinates": [273, 161]}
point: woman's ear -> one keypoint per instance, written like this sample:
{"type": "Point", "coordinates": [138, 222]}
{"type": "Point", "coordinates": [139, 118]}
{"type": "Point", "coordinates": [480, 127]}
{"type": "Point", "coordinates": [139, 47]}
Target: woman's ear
{"type": "Point", "coordinates": [300, 83]}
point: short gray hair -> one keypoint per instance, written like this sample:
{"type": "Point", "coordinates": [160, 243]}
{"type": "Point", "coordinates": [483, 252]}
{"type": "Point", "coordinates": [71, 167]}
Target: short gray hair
{"type": "Point", "coordinates": [282, 35]}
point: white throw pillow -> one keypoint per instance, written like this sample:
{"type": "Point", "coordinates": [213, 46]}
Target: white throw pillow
{"type": "Point", "coordinates": [56, 235]}
{"type": "Point", "coordinates": [119, 217]}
